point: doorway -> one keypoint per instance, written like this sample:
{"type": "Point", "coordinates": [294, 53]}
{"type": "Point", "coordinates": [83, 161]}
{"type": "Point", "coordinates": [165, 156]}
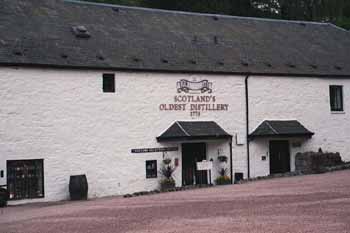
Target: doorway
{"type": "Point", "coordinates": [279, 157]}
{"type": "Point", "coordinates": [191, 154]}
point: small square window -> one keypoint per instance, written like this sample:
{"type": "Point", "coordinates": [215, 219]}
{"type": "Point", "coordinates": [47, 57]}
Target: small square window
{"type": "Point", "coordinates": [151, 169]}
{"type": "Point", "coordinates": [336, 98]}
{"type": "Point", "coordinates": [108, 83]}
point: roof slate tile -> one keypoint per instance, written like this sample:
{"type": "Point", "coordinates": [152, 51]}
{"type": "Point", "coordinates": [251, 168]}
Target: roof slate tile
{"type": "Point", "coordinates": [244, 45]}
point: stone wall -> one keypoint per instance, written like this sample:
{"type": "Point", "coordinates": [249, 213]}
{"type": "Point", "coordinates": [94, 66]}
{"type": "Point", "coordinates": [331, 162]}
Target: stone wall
{"type": "Point", "coordinates": [316, 162]}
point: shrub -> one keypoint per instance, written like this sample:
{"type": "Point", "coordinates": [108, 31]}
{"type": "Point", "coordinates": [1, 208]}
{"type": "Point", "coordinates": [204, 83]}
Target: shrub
{"type": "Point", "coordinates": [167, 184]}
{"type": "Point", "coordinates": [167, 171]}
{"type": "Point", "coordinates": [223, 172]}
{"type": "Point", "coordinates": [4, 196]}
{"type": "Point", "coordinates": [222, 180]}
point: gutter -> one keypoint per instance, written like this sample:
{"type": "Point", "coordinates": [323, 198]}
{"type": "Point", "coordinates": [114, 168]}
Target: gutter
{"type": "Point", "coordinates": [171, 71]}
{"type": "Point", "coordinates": [231, 170]}
{"type": "Point", "coordinates": [247, 123]}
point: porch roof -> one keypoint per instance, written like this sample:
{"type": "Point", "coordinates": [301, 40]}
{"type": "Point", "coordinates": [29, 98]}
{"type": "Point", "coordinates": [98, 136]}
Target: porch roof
{"type": "Point", "coordinates": [280, 128]}
{"type": "Point", "coordinates": [193, 130]}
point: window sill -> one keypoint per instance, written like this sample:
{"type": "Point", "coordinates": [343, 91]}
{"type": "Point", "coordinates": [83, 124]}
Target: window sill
{"type": "Point", "coordinates": [337, 112]}
{"type": "Point", "coordinates": [26, 198]}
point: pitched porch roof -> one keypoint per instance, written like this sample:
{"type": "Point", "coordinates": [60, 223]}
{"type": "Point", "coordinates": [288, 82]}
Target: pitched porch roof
{"type": "Point", "coordinates": [279, 128]}
{"type": "Point", "coordinates": [193, 130]}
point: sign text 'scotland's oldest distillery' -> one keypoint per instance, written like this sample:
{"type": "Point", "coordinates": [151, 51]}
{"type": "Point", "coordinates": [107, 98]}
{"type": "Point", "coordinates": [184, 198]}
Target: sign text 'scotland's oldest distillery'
{"type": "Point", "coordinates": [194, 97]}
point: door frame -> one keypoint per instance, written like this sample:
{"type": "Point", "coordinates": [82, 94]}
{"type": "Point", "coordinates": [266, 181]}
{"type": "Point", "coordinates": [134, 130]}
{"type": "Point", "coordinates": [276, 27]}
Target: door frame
{"type": "Point", "coordinates": [205, 146]}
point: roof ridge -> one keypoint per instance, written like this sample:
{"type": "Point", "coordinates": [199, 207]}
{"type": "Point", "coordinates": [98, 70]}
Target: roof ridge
{"type": "Point", "coordinates": [268, 124]}
{"type": "Point", "coordinates": [337, 27]}
{"type": "Point", "coordinates": [178, 124]}
{"type": "Point", "coordinates": [196, 13]}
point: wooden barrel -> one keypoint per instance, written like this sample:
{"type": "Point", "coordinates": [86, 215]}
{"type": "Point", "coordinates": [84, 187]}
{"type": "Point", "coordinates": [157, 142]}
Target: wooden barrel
{"type": "Point", "coordinates": [4, 196]}
{"type": "Point", "coordinates": [78, 187]}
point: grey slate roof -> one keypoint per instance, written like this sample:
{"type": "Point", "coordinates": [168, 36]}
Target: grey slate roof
{"type": "Point", "coordinates": [281, 129]}
{"type": "Point", "coordinates": [193, 130]}
{"type": "Point", "coordinates": [41, 32]}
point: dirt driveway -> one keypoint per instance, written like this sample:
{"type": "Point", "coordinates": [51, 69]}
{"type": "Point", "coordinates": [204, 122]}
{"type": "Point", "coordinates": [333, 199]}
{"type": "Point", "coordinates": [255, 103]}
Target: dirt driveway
{"type": "Point", "coordinates": [315, 203]}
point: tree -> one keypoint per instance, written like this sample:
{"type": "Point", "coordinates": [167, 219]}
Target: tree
{"type": "Point", "coordinates": [335, 11]}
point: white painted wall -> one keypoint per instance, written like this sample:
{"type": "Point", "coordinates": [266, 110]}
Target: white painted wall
{"type": "Point", "coordinates": [63, 117]}
{"type": "Point", "coordinates": [260, 147]}
{"type": "Point", "coordinates": [303, 99]}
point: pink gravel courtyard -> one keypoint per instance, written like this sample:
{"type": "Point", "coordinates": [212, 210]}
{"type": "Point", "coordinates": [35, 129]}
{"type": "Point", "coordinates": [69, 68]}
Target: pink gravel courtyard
{"type": "Point", "coordinates": [313, 203]}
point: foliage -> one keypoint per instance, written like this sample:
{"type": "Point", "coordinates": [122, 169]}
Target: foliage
{"type": "Point", "coordinates": [223, 172]}
{"type": "Point", "coordinates": [166, 161]}
{"type": "Point", "coordinates": [167, 171]}
{"type": "Point", "coordinates": [167, 184]}
{"type": "Point", "coordinates": [344, 23]}
{"type": "Point", "coordinates": [335, 11]}
{"type": "Point", "coordinates": [222, 180]}
{"type": "Point", "coordinates": [4, 196]}
{"type": "Point", "coordinates": [222, 158]}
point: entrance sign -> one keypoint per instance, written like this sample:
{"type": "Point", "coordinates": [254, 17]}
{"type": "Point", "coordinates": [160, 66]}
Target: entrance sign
{"type": "Point", "coordinates": [153, 150]}
{"type": "Point", "coordinates": [204, 165]}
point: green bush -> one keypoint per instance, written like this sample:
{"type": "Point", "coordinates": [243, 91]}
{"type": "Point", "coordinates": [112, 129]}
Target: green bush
{"type": "Point", "coordinates": [222, 180]}
{"type": "Point", "coordinates": [167, 184]}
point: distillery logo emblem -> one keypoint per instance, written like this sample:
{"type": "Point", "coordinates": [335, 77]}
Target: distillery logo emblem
{"type": "Point", "coordinates": [194, 87]}
{"type": "Point", "coordinates": [195, 97]}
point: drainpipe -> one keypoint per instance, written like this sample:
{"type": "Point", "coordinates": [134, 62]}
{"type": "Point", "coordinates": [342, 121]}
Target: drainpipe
{"type": "Point", "coordinates": [247, 122]}
{"type": "Point", "coordinates": [231, 171]}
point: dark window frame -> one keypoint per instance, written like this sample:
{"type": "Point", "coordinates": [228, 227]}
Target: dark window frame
{"type": "Point", "coordinates": [108, 83]}
{"type": "Point", "coordinates": [336, 98]}
{"type": "Point", "coordinates": [25, 181]}
{"type": "Point", "coordinates": [151, 173]}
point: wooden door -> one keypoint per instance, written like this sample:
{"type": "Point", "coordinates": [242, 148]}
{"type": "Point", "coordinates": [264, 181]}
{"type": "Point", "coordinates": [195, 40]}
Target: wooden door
{"type": "Point", "coordinates": [279, 157]}
{"type": "Point", "coordinates": [191, 154]}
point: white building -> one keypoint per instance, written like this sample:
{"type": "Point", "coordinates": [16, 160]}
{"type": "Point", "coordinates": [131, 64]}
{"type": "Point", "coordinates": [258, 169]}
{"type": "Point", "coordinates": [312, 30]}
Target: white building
{"type": "Point", "coordinates": [107, 91]}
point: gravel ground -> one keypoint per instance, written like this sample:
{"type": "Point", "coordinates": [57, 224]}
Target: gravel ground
{"type": "Point", "coordinates": [314, 203]}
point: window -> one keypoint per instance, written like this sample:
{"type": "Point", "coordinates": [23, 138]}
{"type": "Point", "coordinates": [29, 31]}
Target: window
{"type": "Point", "coordinates": [108, 83]}
{"type": "Point", "coordinates": [25, 179]}
{"type": "Point", "coordinates": [336, 98]}
{"type": "Point", "coordinates": [151, 169]}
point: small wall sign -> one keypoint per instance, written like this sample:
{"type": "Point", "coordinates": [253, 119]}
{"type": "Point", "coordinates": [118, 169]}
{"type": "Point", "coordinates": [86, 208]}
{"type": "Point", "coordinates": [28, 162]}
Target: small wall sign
{"type": "Point", "coordinates": [204, 165]}
{"type": "Point", "coordinates": [296, 144]}
{"type": "Point", "coordinates": [153, 150]}
{"type": "Point", "coordinates": [193, 86]}
{"type": "Point", "coordinates": [176, 162]}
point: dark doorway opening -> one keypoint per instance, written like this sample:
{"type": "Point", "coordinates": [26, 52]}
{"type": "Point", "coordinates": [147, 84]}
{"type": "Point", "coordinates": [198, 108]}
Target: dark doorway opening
{"type": "Point", "coordinates": [279, 157]}
{"type": "Point", "coordinates": [191, 154]}
{"type": "Point", "coordinates": [238, 177]}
